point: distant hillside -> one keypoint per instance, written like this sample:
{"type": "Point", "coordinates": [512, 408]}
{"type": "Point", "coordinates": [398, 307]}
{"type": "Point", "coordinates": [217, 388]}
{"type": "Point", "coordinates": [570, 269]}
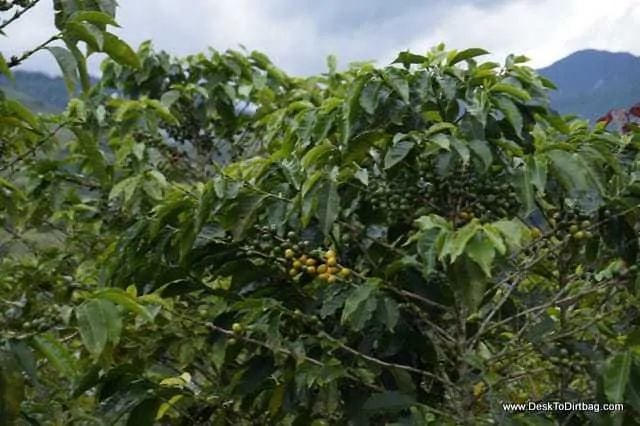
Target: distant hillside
{"type": "Point", "coordinates": [30, 102]}
{"type": "Point", "coordinates": [40, 92]}
{"type": "Point", "coordinates": [591, 82]}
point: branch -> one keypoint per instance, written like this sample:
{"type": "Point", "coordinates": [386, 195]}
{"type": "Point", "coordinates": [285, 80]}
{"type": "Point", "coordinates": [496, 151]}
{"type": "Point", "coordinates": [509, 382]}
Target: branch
{"type": "Point", "coordinates": [33, 149]}
{"type": "Point", "coordinates": [17, 15]}
{"type": "Point", "coordinates": [383, 363]}
{"type": "Point", "coordinates": [282, 351]}
{"type": "Point", "coordinates": [17, 60]}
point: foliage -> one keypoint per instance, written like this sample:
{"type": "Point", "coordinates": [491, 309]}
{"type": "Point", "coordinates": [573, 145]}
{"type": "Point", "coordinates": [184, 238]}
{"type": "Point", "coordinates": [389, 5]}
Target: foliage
{"type": "Point", "coordinates": [220, 243]}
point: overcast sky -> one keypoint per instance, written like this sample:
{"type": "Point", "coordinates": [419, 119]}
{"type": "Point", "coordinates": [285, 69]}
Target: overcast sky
{"type": "Point", "coordinates": [299, 34]}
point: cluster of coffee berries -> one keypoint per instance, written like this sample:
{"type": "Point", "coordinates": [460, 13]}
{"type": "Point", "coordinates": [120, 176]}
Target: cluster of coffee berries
{"type": "Point", "coordinates": [482, 197]}
{"type": "Point", "coordinates": [323, 266]}
{"type": "Point", "coordinates": [571, 361]}
{"type": "Point", "coordinates": [396, 198]}
{"type": "Point", "coordinates": [267, 244]}
{"type": "Point", "coordinates": [571, 224]}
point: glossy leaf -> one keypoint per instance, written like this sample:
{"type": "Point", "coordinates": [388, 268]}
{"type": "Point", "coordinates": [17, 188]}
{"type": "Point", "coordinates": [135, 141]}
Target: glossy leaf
{"type": "Point", "coordinates": [99, 323]}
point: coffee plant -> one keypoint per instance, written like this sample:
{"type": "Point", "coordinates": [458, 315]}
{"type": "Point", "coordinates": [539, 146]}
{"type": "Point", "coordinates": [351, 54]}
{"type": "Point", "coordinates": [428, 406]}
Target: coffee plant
{"type": "Point", "coordinates": [209, 241]}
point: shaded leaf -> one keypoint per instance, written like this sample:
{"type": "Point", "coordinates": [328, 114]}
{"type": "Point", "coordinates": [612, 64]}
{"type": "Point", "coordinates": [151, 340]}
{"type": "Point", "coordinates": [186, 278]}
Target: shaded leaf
{"type": "Point", "coordinates": [511, 111]}
{"type": "Point", "coordinates": [388, 402]}
{"type": "Point", "coordinates": [388, 312]}
{"type": "Point", "coordinates": [120, 51]}
{"type": "Point", "coordinates": [68, 66]}
{"type": "Point", "coordinates": [124, 299]}
{"type": "Point", "coordinates": [98, 323]}
{"type": "Point", "coordinates": [616, 377]}
{"type": "Point", "coordinates": [397, 153]}
{"type": "Point", "coordinates": [328, 204]}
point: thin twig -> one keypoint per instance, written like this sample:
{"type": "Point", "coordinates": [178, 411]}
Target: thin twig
{"type": "Point", "coordinates": [17, 60]}
{"type": "Point", "coordinates": [17, 15]}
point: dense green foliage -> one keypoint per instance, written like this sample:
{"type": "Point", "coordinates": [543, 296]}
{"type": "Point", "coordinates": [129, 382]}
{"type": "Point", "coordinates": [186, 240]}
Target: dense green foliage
{"type": "Point", "coordinates": [225, 244]}
{"type": "Point", "coordinates": [589, 84]}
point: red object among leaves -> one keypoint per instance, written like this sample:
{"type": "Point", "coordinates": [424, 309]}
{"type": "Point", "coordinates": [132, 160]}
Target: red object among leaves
{"type": "Point", "coordinates": [605, 119]}
{"type": "Point", "coordinates": [622, 118]}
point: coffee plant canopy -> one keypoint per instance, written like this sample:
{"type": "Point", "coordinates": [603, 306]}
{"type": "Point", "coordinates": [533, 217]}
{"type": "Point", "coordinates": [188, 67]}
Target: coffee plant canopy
{"type": "Point", "coordinates": [210, 241]}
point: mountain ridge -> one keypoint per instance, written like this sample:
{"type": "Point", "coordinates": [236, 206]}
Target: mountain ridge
{"type": "Point", "coordinates": [591, 82]}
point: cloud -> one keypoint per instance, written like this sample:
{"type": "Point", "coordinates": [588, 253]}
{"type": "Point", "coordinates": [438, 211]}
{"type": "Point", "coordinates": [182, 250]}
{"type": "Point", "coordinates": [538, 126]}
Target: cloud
{"type": "Point", "coordinates": [299, 34]}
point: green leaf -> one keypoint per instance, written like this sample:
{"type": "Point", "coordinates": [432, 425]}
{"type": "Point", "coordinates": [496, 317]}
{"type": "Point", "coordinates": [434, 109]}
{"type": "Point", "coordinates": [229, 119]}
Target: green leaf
{"type": "Point", "coordinates": [4, 69]}
{"type": "Point", "coordinates": [398, 82]}
{"type": "Point", "coordinates": [469, 282]}
{"type": "Point", "coordinates": [161, 110]}
{"type": "Point", "coordinates": [68, 66]}
{"type": "Point", "coordinates": [457, 242]}
{"type": "Point", "coordinates": [357, 297]}
{"type": "Point", "coordinates": [88, 33]}
{"type": "Point", "coordinates": [242, 215]}
{"type": "Point", "coordinates": [429, 245]}
{"type": "Point", "coordinates": [170, 97]}
{"type": "Point", "coordinates": [482, 150]}
{"type": "Point", "coordinates": [127, 187]}
{"type": "Point", "coordinates": [407, 58]}
{"type": "Point", "coordinates": [388, 313]}
{"type": "Point", "coordinates": [460, 146]}
{"type": "Point", "coordinates": [98, 322]}
{"type": "Point", "coordinates": [25, 358]}
{"type": "Point", "coordinates": [397, 153]}
{"type": "Point", "coordinates": [120, 51]}
{"type": "Point", "coordinates": [17, 109]}
{"type": "Point", "coordinates": [539, 170]}
{"type": "Point", "coordinates": [512, 231]}
{"type": "Point", "coordinates": [437, 128]}
{"type": "Point", "coordinates": [616, 377]}
{"type": "Point", "coordinates": [566, 168]}
{"type": "Point", "coordinates": [511, 90]}
{"type": "Point", "coordinates": [328, 204]}
{"type": "Point", "coordinates": [388, 402]}
{"type": "Point", "coordinates": [362, 175]}
{"type": "Point", "coordinates": [93, 17]}
{"type": "Point", "coordinates": [358, 147]}
{"type": "Point", "coordinates": [369, 97]}
{"type": "Point", "coordinates": [524, 189]}
{"type": "Point", "coordinates": [467, 54]}
{"type": "Point", "coordinates": [124, 299]}
{"type": "Point", "coordinates": [511, 111]}
{"type": "Point", "coordinates": [432, 221]}
{"type": "Point", "coordinates": [316, 155]}
{"type": "Point", "coordinates": [482, 252]}
{"type": "Point", "coordinates": [51, 348]}
{"type": "Point", "coordinates": [358, 320]}
{"type": "Point", "coordinates": [81, 61]}
{"type": "Point", "coordinates": [493, 234]}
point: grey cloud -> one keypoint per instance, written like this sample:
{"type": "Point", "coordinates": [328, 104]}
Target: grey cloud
{"type": "Point", "coordinates": [299, 34]}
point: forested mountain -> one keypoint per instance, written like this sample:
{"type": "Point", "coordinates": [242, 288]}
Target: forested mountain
{"type": "Point", "coordinates": [39, 91]}
{"type": "Point", "coordinates": [590, 82]}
